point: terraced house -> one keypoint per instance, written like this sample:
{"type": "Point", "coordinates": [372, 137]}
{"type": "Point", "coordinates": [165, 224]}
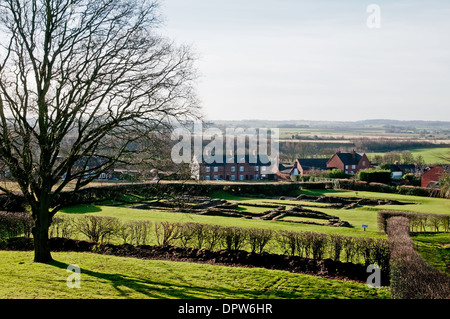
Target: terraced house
{"type": "Point", "coordinates": [232, 168]}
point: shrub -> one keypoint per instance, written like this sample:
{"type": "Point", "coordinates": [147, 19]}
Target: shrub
{"type": "Point", "coordinates": [214, 234]}
{"type": "Point", "coordinates": [411, 276]}
{"type": "Point", "coordinates": [136, 232]}
{"type": "Point", "coordinates": [350, 248]}
{"type": "Point", "coordinates": [375, 176]}
{"type": "Point", "coordinates": [419, 222]}
{"type": "Point", "coordinates": [287, 241]}
{"type": "Point", "coordinates": [166, 233]}
{"type": "Point", "coordinates": [233, 238]}
{"type": "Point", "coordinates": [15, 224]}
{"type": "Point", "coordinates": [364, 247]}
{"type": "Point", "coordinates": [318, 245]}
{"type": "Point", "coordinates": [199, 233]}
{"type": "Point", "coordinates": [63, 227]}
{"type": "Point", "coordinates": [258, 239]}
{"type": "Point", "coordinates": [337, 173]}
{"type": "Point", "coordinates": [336, 245]}
{"type": "Point", "coordinates": [98, 229]}
{"type": "Point", "coordinates": [186, 234]}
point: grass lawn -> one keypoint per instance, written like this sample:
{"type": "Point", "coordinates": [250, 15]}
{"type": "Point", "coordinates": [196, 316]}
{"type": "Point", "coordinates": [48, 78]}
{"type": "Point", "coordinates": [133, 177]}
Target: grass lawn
{"type": "Point", "coordinates": [127, 214]}
{"type": "Point", "coordinates": [110, 277]}
{"type": "Point", "coordinates": [430, 247]}
{"type": "Point", "coordinates": [435, 248]}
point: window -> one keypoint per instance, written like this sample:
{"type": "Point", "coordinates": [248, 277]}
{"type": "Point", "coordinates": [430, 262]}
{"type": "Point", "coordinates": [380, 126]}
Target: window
{"type": "Point", "coordinates": [216, 177]}
{"type": "Point", "coordinates": [256, 176]}
{"type": "Point", "coordinates": [207, 178]}
{"type": "Point", "coordinates": [216, 169]}
{"type": "Point", "coordinates": [353, 166]}
{"type": "Point", "coordinates": [241, 169]}
{"type": "Point", "coordinates": [208, 169]}
{"type": "Point", "coordinates": [241, 177]}
{"type": "Point", "coordinates": [233, 169]}
{"type": "Point", "coordinates": [233, 177]}
{"type": "Point", "coordinates": [364, 163]}
{"type": "Point", "coordinates": [346, 166]}
{"type": "Point", "coordinates": [256, 168]}
{"type": "Point", "coordinates": [263, 169]}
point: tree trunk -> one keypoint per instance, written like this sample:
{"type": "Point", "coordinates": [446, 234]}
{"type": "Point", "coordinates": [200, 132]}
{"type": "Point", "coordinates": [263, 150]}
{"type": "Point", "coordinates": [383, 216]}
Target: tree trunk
{"type": "Point", "coordinates": [41, 239]}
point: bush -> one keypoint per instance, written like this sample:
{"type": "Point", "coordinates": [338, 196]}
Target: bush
{"type": "Point", "coordinates": [350, 248]}
{"type": "Point", "coordinates": [411, 276]}
{"type": "Point", "coordinates": [98, 229]}
{"type": "Point", "coordinates": [233, 238]}
{"type": "Point", "coordinates": [63, 227]}
{"type": "Point", "coordinates": [337, 173]}
{"type": "Point", "coordinates": [214, 235]}
{"type": "Point", "coordinates": [258, 239]}
{"type": "Point", "coordinates": [375, 176]}
{"type": "Point", "coordinates": [15, 224]}
{"type": "Point", "coordinates": [166, 233]}
{"type": "Point", "coordinates": [287, 242]}
{"type": "Point", "coordinates": [136, 232]}
{"type": "Point", "coordinates": [419, 222]}
{"type": "Point", "coordinates": [336, 245]}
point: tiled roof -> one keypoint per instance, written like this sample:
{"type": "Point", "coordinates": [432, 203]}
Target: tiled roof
{"type": "Point", "coordinates": [350, 158]}
{"type": "Point", "coordinates": [313, 163]}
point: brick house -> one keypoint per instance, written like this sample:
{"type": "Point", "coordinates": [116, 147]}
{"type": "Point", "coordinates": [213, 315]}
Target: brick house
{"type": "Point", "coordinates": [232, 168]}
{"type": "Point", "coordinates": [285, 171]}
{"type": "Point", "coordinates": [303, 166]}
{"type": "Point", "coordinates": [350, 163]}
{"type": "Point", "coordinates": [431, 178]}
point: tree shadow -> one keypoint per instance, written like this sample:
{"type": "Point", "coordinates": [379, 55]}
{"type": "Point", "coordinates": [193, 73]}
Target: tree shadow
{"type": "Point", "coordinates": [161, 290]}
{"type": "Point", "coordinates": [81, 209]}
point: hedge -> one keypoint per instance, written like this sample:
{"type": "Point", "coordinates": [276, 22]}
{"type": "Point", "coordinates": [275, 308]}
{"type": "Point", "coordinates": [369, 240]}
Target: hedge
{"type": "Point", "coordinates": [411, 276]}
{"type": "Point", "coordinates": [418, 222]}
{"type": "Point", "coordinates": [375, 176]}
{"type": "Point", "coordinates": [203, 236]}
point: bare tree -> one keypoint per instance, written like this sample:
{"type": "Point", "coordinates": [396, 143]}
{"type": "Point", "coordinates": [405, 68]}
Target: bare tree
{"type": "Point", "coordinates": [83, 84]}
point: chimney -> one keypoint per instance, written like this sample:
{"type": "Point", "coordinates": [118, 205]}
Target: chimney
{"type": "Point", "coordinates": [354, 154]}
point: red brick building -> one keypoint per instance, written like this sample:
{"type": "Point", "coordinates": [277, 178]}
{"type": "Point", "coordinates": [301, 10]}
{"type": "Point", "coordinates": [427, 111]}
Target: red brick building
{"type": "Point", "coordinates": [233, 168]}
{"type": "Point", "coordinates": [349, 163]}
{"type": "Point", "coordinates": [431, 178]}
{"type": "Point", "coordinates": [303, 166]}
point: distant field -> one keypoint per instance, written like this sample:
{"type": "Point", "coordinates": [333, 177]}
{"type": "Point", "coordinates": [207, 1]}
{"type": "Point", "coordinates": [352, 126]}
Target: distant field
{"type": "Point", "coordinates": [110, 277]}
{"type": "Point", "coordinates": [430, 155]}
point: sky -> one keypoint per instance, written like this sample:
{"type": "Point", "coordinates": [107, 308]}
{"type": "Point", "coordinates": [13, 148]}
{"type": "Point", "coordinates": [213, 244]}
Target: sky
{"type": "Point", "coordinates": [317, 60]}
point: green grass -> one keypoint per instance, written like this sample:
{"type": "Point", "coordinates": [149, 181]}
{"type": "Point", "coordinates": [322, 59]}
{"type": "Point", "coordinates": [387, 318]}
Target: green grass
{"type": "Point", "coordinates": [110, 277]}
{"type": "Point", "coordinates": [419, 204]}
{"type": "Point", "coordinates": [430, 155]}
{"type": "Point", "coordinates": [435, 248]}
{"type": "Point", "coordinates": [356, 217]}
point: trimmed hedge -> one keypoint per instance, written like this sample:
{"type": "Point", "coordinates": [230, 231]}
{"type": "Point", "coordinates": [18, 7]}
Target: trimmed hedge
{"type": "Point", "coordinates": [419, 222]}
{"type": "Point", "coordinates": [411, 276]}
{"type": "Point", "coordinates": [375, 176]}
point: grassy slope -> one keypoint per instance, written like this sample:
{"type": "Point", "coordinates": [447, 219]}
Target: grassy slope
{"type": "Point", "coordinates": [115, 277]}
{"type": "Point", "coordinates": [430, 247]}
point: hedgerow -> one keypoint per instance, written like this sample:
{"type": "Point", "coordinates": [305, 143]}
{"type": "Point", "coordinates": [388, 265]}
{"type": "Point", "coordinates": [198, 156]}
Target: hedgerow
{"type": "Point", "coordinates": [411, 276]}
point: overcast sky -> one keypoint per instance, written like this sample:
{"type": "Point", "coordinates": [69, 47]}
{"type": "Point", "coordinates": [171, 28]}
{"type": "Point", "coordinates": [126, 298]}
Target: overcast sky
{"type": "Point", "coordinates": [317, 60]}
